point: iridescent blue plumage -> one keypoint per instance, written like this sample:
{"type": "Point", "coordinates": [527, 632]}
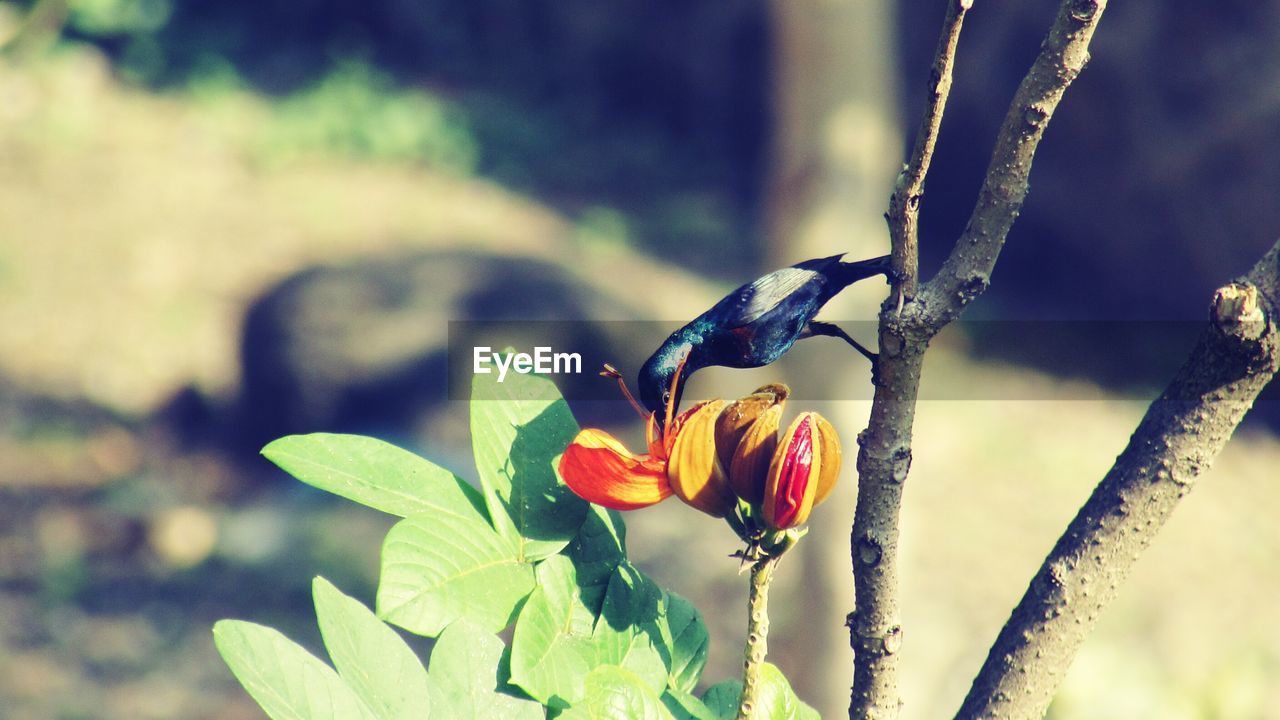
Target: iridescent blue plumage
{"type": "Point", "coordinates": [755, 324]}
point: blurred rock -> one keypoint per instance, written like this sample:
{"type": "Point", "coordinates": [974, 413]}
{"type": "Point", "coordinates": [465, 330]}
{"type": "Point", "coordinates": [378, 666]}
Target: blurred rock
{"type": "Point", "coordinates": [363, 347]}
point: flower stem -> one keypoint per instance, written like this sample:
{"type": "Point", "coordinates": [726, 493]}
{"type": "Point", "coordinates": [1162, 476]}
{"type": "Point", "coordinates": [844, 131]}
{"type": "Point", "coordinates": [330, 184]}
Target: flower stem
{"type": "Point", "coordinates": [757, 635]}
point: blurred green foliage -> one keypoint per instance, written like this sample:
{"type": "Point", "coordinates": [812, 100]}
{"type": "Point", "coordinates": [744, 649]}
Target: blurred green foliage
{"type": "Point", "coordinates": [118, 17]}
{"type": "Point", "coordinates": [655, 111]}
{"type": "Point", "coordinates": [353, 112]}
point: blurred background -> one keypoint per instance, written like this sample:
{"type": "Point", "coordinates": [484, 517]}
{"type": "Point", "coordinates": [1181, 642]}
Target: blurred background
{"type": "Point", "coordinates": [221, 222]}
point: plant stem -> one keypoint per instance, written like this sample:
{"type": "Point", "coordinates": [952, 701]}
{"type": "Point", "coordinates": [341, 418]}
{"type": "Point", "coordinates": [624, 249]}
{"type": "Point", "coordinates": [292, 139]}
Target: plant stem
{"type": "Point", "coordinates": [757, 635]}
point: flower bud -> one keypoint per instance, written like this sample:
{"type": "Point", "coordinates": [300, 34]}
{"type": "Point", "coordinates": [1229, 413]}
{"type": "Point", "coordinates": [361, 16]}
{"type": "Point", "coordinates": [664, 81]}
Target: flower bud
{"type": "Point", "coordinates": [803, 471]}
{"type": "Point", "coordinates": [749, 464]}
{"type": "Point", "coordinates": [693, 469]}
{"type": "Point", "coordinates": [740, 415]}
{"type": "Point", "coordinates": [829, 450]}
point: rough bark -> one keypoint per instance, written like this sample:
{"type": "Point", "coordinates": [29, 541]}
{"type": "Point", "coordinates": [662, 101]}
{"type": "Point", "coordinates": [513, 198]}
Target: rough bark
{"type": "Point", "coordinates": [909, 320]}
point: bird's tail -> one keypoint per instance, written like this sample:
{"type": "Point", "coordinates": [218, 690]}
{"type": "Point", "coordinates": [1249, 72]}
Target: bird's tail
{"type": "Point", "coordinates": [852, 272]}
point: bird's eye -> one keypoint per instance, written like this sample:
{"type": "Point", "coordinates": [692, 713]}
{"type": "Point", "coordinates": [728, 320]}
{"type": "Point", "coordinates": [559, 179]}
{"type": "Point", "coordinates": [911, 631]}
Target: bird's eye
{"type": "Point", "coordinates": [666, 395]}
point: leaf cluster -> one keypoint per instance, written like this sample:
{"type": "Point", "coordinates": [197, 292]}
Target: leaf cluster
{"type": "Point", "coordinates": [590, 635]}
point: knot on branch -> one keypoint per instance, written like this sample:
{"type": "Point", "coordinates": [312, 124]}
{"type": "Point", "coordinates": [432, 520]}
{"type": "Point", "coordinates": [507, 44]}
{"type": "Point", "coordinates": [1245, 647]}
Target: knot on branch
{"type": "Point", "coordinates": [869, 551]}
{"type": "Point", "coordinates": [873, 641]}
{"type": "Point", "coordinates": [900, 464]}
{"type": "Point", "coordinates": [1035, 116]}
{"type": "Point", "coordinates": [972, 287]}
{"type": "Point", "coordinates": [1237, 311]}
{"type": "Point", "coordinates": [1084, 10]}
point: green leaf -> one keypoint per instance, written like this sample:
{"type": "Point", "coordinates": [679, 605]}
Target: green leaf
{"type": "Point", "coordinates": [722, 698]}
{"type": "Point", "coordinates": [685, 636]}
{"type": "Point", "coordinates": [551, 649]}
{"type": "Point", "coordinates": [559, 636]}
{"type": "Point", "coordinates": [627, 633]}
{"type": "Point", "coordinates": [371, 657]}
{"type": "Point", "coordinates": [684, 706]}
{"type": "Point", "coordinates": [613, 692]}
{"type": "Point", "coordinates": [465, 677]}
{"type": "Point", "coordinates": [596, 551]}
{"type": "Point", "coordinates": [374, 473]}
{"type": "Point", "coordinates": [777, 700]}
{"type": "Point", "coordinates": [286, 680]}
{"type": "Point", "coordinates": [436, 569]}
{"type": "Point", "coordinates": [518, 428]}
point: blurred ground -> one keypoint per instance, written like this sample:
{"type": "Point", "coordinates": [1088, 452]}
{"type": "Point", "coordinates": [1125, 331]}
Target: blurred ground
{"type": "Point", "coordinates": [135, 231]}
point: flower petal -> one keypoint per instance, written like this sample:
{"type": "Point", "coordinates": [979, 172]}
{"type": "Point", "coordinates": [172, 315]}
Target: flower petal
{"type": "Point", "coordinates": [792, 484]}
{"type": "Point", "coordinates": [749, 464]}
{"type": "Point", "coordinates": [693, 469]}
{"type": "Point", "coordinates": [599, 469]}
{"type": "Point", "coordinates": [735, 419]}
{"type": "Point", "coordinates": [671, 430]}
{"type": "Point", "coordinates": [827, 447]}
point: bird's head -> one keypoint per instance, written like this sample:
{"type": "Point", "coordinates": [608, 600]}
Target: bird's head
{"type": "Point", "coordinates": [658, 376]}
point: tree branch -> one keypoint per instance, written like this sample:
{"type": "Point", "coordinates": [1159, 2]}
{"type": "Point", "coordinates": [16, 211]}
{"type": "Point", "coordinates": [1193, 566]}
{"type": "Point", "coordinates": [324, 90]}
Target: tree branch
{"type": "Point", "coordinates": [907, 324]}
{"type": "Point", "coordinates": [904, 204]}
{"type": "Point", "coordinates": [1183, 431]}
{"type": "Point", "coordinates": [875, 629]}
{"type": "Point", "coordinates": [967, 271]}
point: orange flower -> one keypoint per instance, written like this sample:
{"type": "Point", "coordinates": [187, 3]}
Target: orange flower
{"type": "Point", "coordinates": [681, 460]}
{"type": "Point", "coordinates": [746, 435]}
{"type": "Point", "coordinates": [711, 455]}
{"type": "Point", "coordinates": [600, 470]}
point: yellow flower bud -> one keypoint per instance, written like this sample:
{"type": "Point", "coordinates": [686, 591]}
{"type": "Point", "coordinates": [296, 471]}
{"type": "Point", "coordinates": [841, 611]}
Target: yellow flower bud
{"type": "Point", "coordinates": [749, 464]}
{"type": "Point", "coordinates": [738, 417]}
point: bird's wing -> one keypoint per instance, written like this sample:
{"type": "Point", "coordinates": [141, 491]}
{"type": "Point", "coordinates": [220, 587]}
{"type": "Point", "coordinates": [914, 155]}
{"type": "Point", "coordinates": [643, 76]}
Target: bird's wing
{"type": "Point", "coordinates": [754, 299]}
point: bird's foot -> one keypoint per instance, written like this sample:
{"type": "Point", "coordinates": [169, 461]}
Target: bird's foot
{"type": "Point", "coordinates": [875, 370]}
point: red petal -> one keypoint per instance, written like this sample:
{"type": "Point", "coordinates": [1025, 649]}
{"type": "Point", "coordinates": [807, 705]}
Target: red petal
{"type": "Point", "coordinates": [600, 470]}
{"type": "Point", "coordinates": [785, 493]}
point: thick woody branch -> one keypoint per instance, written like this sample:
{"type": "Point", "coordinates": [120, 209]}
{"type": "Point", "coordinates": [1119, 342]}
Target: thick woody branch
{"type": "Point", "coordinates": [875, 629]}
{"type": "Point", "coordinates": [1183, 431]}
{"type": "Point", "coordinates": [967, 271]}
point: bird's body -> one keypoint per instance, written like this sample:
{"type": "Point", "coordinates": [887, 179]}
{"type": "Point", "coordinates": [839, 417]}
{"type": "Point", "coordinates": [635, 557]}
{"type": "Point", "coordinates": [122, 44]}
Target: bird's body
{"type": "Point", "coordinates": [755, 324]}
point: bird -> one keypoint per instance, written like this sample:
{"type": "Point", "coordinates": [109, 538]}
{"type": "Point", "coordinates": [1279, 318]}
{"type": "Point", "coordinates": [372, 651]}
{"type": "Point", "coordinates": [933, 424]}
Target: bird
{"type": "Point", "coordinates": [755, 324]}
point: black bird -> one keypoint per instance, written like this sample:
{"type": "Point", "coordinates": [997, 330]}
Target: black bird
{"type": "Point", "coordinates": [755, 324]}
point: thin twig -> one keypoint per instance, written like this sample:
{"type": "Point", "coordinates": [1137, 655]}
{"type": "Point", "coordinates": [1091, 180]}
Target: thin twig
{"type": "Point", "coordinates": [904, 204]}
{"type": "Point", "coordinates": [1181, 434]}
{"type": "Point", "coordinates": [757, 645]}
{"type": "Point", "coordinates": [967, 271]}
